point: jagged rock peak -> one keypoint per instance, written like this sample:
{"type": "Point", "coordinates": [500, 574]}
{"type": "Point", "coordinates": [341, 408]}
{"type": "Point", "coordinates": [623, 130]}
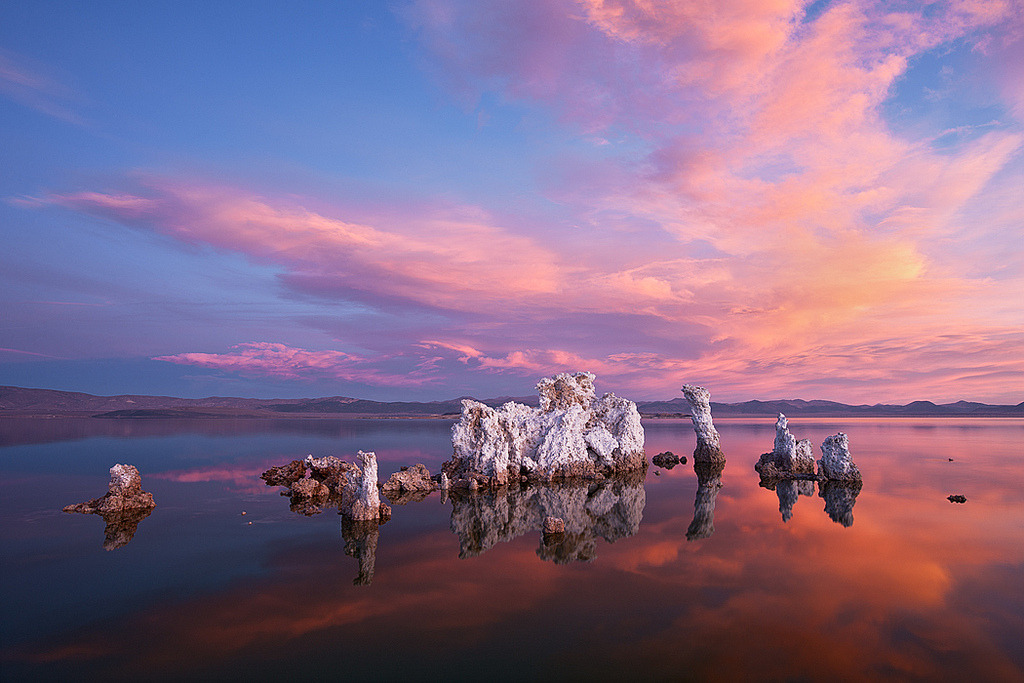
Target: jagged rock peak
{"type": "Point", "coordinates": [564, 391]}
{"type": "Point", "coordinates": [785, 443]}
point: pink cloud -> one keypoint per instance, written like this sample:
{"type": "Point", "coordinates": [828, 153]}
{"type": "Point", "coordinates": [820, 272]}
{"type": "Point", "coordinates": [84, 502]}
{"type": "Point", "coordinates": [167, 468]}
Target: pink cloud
{"type": "Point", "coordinates": [265, 359]}
{"type": "Point", "coordinates": [438, 260]}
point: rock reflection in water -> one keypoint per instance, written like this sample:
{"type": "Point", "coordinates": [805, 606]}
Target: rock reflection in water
{"type": "Point", "coordinates": [709, 482]}
{"type": "Point", "coordinates": [788, 490]}
{"type": "Point", "coordinates": [611, 509]}
{"type": "Point", "coordinates": [361, 543]}
{"type": "Point", "coordinates": [839, 500]}
{"type": "Point", "coordinates": [121, 526]}
{"type": "Point", "coordinates": [839, 496]}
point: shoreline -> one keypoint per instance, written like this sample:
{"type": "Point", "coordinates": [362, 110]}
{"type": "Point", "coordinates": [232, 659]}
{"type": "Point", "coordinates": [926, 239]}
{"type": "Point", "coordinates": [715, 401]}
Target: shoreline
{"type": "Point", "coordinates": [256, 415]}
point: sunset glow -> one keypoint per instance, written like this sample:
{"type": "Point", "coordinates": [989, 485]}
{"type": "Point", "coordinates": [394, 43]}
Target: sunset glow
{"type": "Point", "coordinates": [433, 198]}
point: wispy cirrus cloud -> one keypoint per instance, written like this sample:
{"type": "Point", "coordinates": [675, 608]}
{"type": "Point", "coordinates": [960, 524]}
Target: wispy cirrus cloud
{"type": "Point", "coordinates": [29, 85]}
{"type": "Point", "coordinates": [441, 259]}
{"type": "Point", "coordinates": [268, 359]}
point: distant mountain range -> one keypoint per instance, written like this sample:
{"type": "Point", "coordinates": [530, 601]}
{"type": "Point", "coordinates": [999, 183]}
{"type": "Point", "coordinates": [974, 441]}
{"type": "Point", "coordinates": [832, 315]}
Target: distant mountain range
{"type": "Point", "coordinates": [22, 401]}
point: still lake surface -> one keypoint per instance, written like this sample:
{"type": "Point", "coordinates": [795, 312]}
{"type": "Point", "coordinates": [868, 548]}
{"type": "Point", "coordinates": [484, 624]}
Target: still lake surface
{"type": "Point", "coordinates": [903, 585]}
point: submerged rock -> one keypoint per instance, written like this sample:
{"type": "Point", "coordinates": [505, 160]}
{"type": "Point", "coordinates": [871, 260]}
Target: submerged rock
{"type": "Point", "coordinates": [573, 435]}
{"type": "Point", "coordinates": [124, 492]}
{"type": "Point", "coordinates": [789, 457]}
{"type": "Point", "coordinates": [836, 463]}
{"type": "Point", "coordinates": [709, 482]}
{"type": "Point", "coordinates": [668, 460]}
{"type": "Point", "coordinates": [708, 447]}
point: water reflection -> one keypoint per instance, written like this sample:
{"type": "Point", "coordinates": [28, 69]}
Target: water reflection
{"type": "Point", "coordinates": [788, 491]}
{"type": "Point", "coordinates": [121, 526]}
{"type": "Point", "coordinates": [610, 510]}
{"type": "Point", "coordinates": [361, 543]}
{"type": "Point", "coordinates": [839, 497]}
{"type": "Point", "coordinates": [918, 589]}
{"type": "Point", "coordinates": [709, 483]}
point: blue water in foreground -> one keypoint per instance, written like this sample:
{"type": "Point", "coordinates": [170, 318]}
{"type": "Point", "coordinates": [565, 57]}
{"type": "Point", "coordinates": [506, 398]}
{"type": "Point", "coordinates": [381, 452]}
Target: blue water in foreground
{"type": "Point", "coordinates": [893, 582]}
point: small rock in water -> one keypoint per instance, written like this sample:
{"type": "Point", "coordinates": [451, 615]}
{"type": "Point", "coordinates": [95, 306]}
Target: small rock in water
{"type": "Point", "coordinates": [554, 525]}
{"type": "Point", "coordinates": [657, 474]}
{"type": "Point", "coordinates": [951, 459]}
{"type": "Point", "coordinates": [957, 498]}
{"type": "Point", "coordinates": [414, 479]}
{"type": "Point", "coordinates": [124, 492]}
{"type": "Point", "coordinates": [668, 460]}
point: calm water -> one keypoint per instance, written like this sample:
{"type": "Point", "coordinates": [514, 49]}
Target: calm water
{"type": "Point", "coordinates": [903, 585]}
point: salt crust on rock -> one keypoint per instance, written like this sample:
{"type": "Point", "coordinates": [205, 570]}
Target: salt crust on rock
{"type": "Point", "coordinates": [572, 435]}
{"type": "Point", "coordinates": [836, 463]}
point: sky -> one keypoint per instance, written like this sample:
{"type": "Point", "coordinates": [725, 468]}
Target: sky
{"type": "Point", "coordinates": [425, 199]}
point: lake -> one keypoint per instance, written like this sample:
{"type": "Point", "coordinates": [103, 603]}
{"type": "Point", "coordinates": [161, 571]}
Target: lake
{"type": "Point", "coordinates": [669, 577]}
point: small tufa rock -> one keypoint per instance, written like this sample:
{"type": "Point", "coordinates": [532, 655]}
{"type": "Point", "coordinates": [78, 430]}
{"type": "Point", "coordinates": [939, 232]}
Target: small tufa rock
{"type": "Point", "coordinates": [788, 457]}
{"type": "Point", "coordinates": [123, 506]}
{"type": "Point", "coordinates": [668, 460]}
{"type": "Point", "coordinates": [124, 492]}
{"type": "Point", "coordinates": [554, 525]}
{"type": "Point", "coordinates": [409, 480]}
{"type": "Point", "coordinates": [836, 463]}
{"type": "Point", "coordinates": [957, 498]}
